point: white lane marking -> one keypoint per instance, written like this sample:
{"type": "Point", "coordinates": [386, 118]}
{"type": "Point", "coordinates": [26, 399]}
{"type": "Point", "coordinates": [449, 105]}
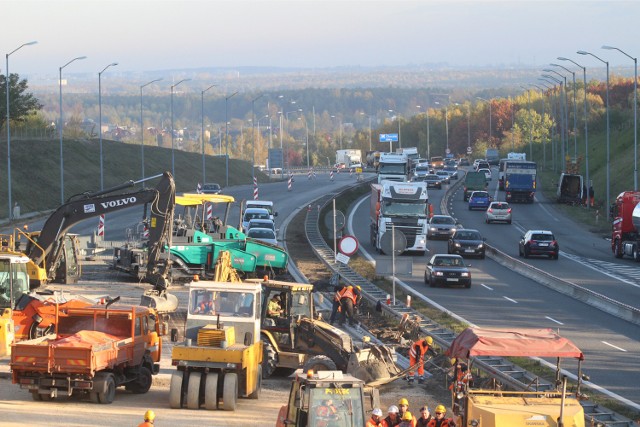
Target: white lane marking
{"type": "Point", "coordinates": [607, 268]}
{"type": "Point", "coordinates": [483, 285]}
{"type": "Point", "coordinates": [554, 320]}
{"type": "Point", "coordinates": [614, 346]}
{"type": "Point", "coordinates": [509, 299]}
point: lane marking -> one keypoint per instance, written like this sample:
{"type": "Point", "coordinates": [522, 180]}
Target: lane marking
{"type": "Point", "coordinates": [482, 284]}
{"type": "Point", "coordinates": [614, 346]}
{"type": "Point", "coordinates": [509, 299]}
{"type": "Point", "coordinates": [554, 320]}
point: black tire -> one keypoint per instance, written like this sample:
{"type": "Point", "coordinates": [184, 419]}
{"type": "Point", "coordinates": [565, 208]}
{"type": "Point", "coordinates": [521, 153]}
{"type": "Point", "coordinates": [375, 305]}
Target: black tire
{"type": "Point", "coordinates": [176, 394]}
{"type": "Point", "coordinates": [269, 358]}
{"type": "Point", "coordinates": [555, 256]}
{"type": "Point", "coordinates": [525, 252]}
{"type": "Point", "coordinates": [142, 384]}
{"type": "Point", "coordinates": [509, 222]}
{"type": "Point", "coordinates": [482, 255]}
{"type": "Point", "coordinates": [519, 251]}
{"type": "Point", "coordinates": [37, 397]}
{"type": "Point", "coordinates": [36, 332]}
{"type": "Point", "coordinates": [230, 391]}
{"type": "Point", "coordinates": [636, 253]}
{"type": "Point", "coordinates": [618, 249]}
{"type": "Point", "coordinates": [319, 363]}
{"type": "Point", "coordinates": [432, 282]}
{"type": "Point", "coordinates": [107, 397]}
{"type": "Point", "coordinates": [193, 390]}
{"type": "Point", "coordinates": [256, 392]}
{"type": "Point", "coordinates": [468, 285]}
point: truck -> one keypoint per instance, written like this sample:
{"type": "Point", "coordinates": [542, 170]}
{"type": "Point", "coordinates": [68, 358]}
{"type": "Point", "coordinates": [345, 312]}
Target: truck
{"type": "Point", "coordinates": [351, 158]}
{"type": "Point", "coordinates": [372, 159]}
{"type": "Point", "coordinates": [492, 156]}
{"type": "Point", "coordinates": [92, 351]}
{"type": "Point", "coordinates": [412, 155]}
{"type": "Point", "coordinates": [520, 180]}
{"type": "Point", "coordinates": [548, 405]}
{"type": "Point", "coordinates": [570, 189]}
{"type": "Point", "coordinates": [393, 167]}
{"type": "Point", "coordinates": [403, 207]}
{"type": "Point", "coordinates": [625, 235]}
{"type": "Point", "coordinates": [474, 181]}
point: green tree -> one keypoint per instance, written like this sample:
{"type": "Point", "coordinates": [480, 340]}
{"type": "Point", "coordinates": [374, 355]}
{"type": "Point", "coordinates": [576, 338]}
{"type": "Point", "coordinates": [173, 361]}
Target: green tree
{"type": "Point", "coordinates": [21, 102]}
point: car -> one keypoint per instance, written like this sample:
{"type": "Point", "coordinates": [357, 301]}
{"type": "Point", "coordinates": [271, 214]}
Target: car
{"type": "Point", "coordinates": [538, 242]}
{"type": "Point", "coordinates": [487, 173]}
{"type": "Point", "coordinates": [479, 199]}
{"type": "Point", "coordinates": [463, 162]}
{"type": "Point", "coordinates": [421, 170]}
{"type": "Point", "coordinates": [444, 176]}
{"type": "Point", "coordinates": [266, 235]}
{"type": "Point", "coordinates": [265, 204]}
{"type": "Point", "coordinates": [476, 162]}
{"type": "Point", "coordinates": [466, 241]}
{"type": "Point", "coordinates": [446, 270]}
{"type": "Point", "coordinates": [452, 171]}
{"type": "Point", "coordinates": [441, 226]}
{"type": "Point", "coordinates": [483, 164]}
{"type": "Point", "coordinates": [498, 211]}
{"type": "Point", "coordinates": [211, 188]}
{"type": "Point", "coordinates": [261, 223]}
{"type": "Point", "coordinates": [254, 213]}
{"type": "Point", "coordinates": [432, 180]}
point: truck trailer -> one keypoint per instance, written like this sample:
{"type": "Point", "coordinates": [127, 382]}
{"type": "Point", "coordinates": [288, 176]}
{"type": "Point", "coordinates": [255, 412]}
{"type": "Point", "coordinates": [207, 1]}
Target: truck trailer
{"type": "Point", "coordinates": [625, 235]}
{"type": "Point", "coordinates": [393, 167]}
{"type": "Point", "coordinates": [520, 180]}
{"type": "Point", "coordinates": [351, 158]}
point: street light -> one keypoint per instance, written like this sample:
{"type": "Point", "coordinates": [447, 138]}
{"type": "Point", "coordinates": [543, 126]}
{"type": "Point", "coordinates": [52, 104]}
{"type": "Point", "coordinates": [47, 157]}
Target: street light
{"type": "Point", "coordinates": [446, 125]}
{"type": "Point", "coordinates": [550, 87]}
{"type": "Point", "coordinates": [8, 126]}
{"type": "Point", "coordinates": [113, 64]}
{"type": "Point", "coordinates": [142, 126]}
{"type": "Point", "coordinates": [563, 124]}
{"type": "Point", "coordinates": [204, 175]}
{"type": "Point", "coordinates": [173, 157]}
{"type": "Point", "coordinates": [61, 130]}
{"type": "Point", "coordinates": [544, 149]}
{"type": "Point", "coordinates": [586, 134]}
{"type": "Point", "coordinates": [635, 114]}
{"type": "Point", "coordinates": [226, 136]}
{"type": "Point", "coordinates": [582, 52]}
{"type": "Point", "coordinates": [575, 108]}
{"type": "Point", "coordinates": [566, 110]}
{"type": "Point", "coordinates": [530, 121]}
{"type": "Point", "coordinates": [253, 135]}
{"type": "Point", "coordinates": [488, 101]}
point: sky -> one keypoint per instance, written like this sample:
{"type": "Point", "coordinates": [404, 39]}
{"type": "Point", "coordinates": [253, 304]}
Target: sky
{"type": "Point", "coordinates": [143, 35]}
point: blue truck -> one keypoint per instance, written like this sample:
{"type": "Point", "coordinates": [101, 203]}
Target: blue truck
{"type": "Point", "coordinates": [520, 181]}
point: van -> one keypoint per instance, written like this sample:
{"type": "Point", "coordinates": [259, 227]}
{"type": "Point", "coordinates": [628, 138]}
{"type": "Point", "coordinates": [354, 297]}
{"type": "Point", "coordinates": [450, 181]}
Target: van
{"type": "Point", "coordinates": [264, 204]}
{"type": "Point", "coordinates": [474, 181]}
{"type": "Point", "coordinates": [570, 189]}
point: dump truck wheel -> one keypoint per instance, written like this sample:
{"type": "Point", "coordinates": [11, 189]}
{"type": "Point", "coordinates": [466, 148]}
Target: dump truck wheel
{"type": "Point", "coordinates": [256, 392]}
{"type": "Point", "coordinates": [230, 392]}
{"type": "Point", "coordinates": [319, 363]}
{"type": "Point", "coordinates": [109, 394]}
{"type": "Point", "coordinates": [142, 384]}
{"type": "Point", "coordinates": [175, 390]}
{"type": "Point", "coordinates": [193, 391]}
{"type": "Point", "coordinates": [270, 359]}
{"type": "Point", "coordinates": [211, 391]}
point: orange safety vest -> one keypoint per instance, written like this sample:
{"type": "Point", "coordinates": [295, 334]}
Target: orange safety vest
{"type": "Point", "coordinates": [419, 349]}
{"type": "Point", "coordinates": [446, 422]}
{"type": "Point", "coordinates": [372, 423]}
{"type": "Point", "coordinates": [347, 293]}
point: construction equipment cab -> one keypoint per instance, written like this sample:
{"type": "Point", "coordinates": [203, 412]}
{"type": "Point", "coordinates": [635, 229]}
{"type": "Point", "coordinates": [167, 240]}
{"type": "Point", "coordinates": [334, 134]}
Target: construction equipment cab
{"type": "Point", "coordinates": [14, 282]}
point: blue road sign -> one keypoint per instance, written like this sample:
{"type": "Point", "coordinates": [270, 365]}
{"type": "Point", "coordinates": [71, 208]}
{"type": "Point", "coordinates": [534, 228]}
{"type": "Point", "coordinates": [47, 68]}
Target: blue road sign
{"type": "Point", "coordinates": [388, 137]}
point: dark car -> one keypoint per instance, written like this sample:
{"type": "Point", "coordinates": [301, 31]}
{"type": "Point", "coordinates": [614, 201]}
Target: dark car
{"type": "Point", "coordinates": [211, 188]}
{"type": "Point", "coordinates": [464, 162]}
{"type": "Point", "coordinates": [444, 270]}
{"type": "Point", "coordinates": [432, 180]}
{"type": "Point", "coordinates": [539, 242]}
{"type": "Point", "coordinates": [467, 242]}
{"type": "Point", "coordinates": [441, 226]}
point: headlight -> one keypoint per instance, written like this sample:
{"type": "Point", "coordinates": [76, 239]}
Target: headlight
{"type": "Point", "coordinates": [481, 245]}
{"type": "Point", "coordinates": [432, 229]}
{"type": "Point", "coordinates": [439, 273]}
{"type": "Point", "coordinates": [457, 245]}
{"type": "Point", "coordinates": [465, 275]}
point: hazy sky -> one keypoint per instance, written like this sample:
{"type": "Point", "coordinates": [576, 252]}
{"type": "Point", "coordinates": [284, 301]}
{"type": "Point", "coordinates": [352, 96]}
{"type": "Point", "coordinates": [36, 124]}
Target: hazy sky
{"type": "Point", "coordinates": [157, 35]}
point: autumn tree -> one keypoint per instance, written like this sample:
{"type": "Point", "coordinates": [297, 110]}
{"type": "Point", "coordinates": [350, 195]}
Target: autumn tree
{"type": "Point", "coordinates": [21, 102]}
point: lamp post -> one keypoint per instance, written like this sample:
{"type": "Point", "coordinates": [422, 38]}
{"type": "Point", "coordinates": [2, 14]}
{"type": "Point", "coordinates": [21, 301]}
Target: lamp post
{"type": "Point", "coordinates": [575, 112]}
{"type": "Point", "coordinates": [488, 101]}
{"type": "Point", "coordinates": [253, 135]}
{"type": "Point", "coordinates": [142, 127]}
{"type": "Point", "coordinates": [544, 151]}
{"type": "Point", "coordinates": [446, 125]}
{"type": "Point", "coordinates": [173, 157]}
{"type": "Point", "coordinates": [582, 52]}
{"type": "Point", "coordinates": [554, 81]}
{"type": "Point", "coordinates": [61, 129]}
{"type": "Point", "coordinates": [530, 121]}
{"type": "Point", "coordinates": [113, 64]}
{"type": "Point", "coordinates": [8, 125]}
{"type": "Point", "coordinates": [204, 173]}
{"type": "Point", "coordinates": [226, 136]}
{"type": "Point", "coordinates": [635, 114]}
{"type": "Point", "coordinates": [566, 108]}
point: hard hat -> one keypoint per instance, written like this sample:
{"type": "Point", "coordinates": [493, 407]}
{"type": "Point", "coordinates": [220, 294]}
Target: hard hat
{"type": "Point", "coordinates": [359, 287]}
{"type": "Point", "coordinates": [393, 409]}
{"type": "Point", "coordinates": [403, 401]}
{"type": "Point", "coordinates": [407, 416]}
{"type": "Point", "coordinates": [149, 415]}
{"type": "Point", "coordinates": [277, 297]}
{"type": "Point", "coordinates": [453, 361]}
{"type": "Point", "coordinates": [429, 340]}
{"type": "Point", "coordinates": [377, 412]}
{"type": "Point", "coordinates": [349, 287]}
{"type": "Point", "coordinates": [441, 409]}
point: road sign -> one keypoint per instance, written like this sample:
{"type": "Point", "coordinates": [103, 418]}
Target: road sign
{"type": "Point", "coordinates": [469, 150]}
{"type": "Point", "coordinates": [342, 258]}
{"type": "Point", "coordinates": [328, 221]}
{"type": "Point", "coordinates": [348, 245]}
{"type": "Point", "coordinates": [388, 137]}
{"type": "Point", "coordinates": [388, 244]}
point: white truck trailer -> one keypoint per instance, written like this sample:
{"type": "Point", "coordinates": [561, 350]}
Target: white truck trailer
{"type": "Point", "coordinates": [393, 167]}
{"type": "Point", "coordinates": [350, 158]}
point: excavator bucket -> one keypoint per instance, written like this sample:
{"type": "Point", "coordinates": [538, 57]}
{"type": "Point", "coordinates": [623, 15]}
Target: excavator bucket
{"type": "Point", "coordinates": [162, 302]}
{"type": "Point", "coordinates": [373, 364]}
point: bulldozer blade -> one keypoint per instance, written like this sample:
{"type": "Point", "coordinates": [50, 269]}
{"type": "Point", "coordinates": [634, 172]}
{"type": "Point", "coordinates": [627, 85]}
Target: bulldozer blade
{"type": "Point", "coordinates": [163, 303]}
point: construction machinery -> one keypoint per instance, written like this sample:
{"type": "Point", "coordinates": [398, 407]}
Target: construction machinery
{"type": "Point", "coordinates": [14, 283]}
{"type": "Point", "coordinates": [327, 398]}
{"type": "Point", "coordinates": [504, 408]}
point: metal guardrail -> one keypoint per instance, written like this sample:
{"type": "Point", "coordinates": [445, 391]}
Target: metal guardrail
{"type": "Point", "coordinates": [496, 367]}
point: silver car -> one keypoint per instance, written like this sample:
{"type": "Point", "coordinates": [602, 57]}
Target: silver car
{"type": "Point", "coordinates": [498, 211]}
{"type": "Point", "coordinates": [441, 226]}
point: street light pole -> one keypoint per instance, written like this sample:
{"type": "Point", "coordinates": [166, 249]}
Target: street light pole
{"type": "Point", "coordinates": [61, 129]}
{"type": "Point", "coordinates": [635, 114]}
{"type": "Point", "coordinates": [7, 79]}
{"type": "Point", "coordinates": [142, 126]}
{"type": "Point", "coordinates": [253, 135]}
{"type": "Point", "coordinates": [582, 52]}
{"type": "Point", "coordinates": [173, 157]}
{"type": "Point", "coordinates": [566, 109]}
{"type": "Point", "coordinates": [563, 124]}
{"type": "Point", "coordinates": [113, 64]}
{"type": "Point", "coordinates": [575, 112]}
{"type": "Point", "coordinates": [226, 136]}
{"type": "Point", "coordinates": [204, 173]}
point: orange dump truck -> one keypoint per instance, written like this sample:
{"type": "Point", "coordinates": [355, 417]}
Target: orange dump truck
{"type": "Point", "coordinates": [94, 350]}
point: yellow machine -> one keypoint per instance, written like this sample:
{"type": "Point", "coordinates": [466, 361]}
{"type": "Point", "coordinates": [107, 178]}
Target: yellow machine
{"type": "Point", "coordinates": [14, 282]}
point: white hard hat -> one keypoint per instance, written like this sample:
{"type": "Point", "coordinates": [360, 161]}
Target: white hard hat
{"type": "Point", "coordinates": [377, 412]}
{"type": "Point", "coordinates": [393, 409]}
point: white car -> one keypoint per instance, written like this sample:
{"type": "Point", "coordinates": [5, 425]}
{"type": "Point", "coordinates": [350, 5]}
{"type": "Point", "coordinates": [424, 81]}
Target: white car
{"type": "Point", "coordinates": [487, 173]}
{"type": "Point", "coordinates": [266, 235]}
{"type": "Point", "coordinates": [254, 213]}
{"type": "Point", "coordinates": [261, 223]}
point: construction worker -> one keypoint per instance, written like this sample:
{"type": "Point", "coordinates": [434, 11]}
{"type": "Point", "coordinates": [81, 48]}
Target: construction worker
{"type": "Point", "coordinates": [393, 419]}
{"type": "Point", "coordinates": [407, 420]}
{"type": "Point", "coordinates": [325, 413]}
{"type": "Point", "coordinates": [376, 418]}
{"type": "Point", "coordinates": [206, 306]}
{"type": "Point", "coordinates": [348, 300]}
{"type": "Point", "coordinates": [416, 357]}
{"type": "Point", "coordinates": [440, 420]}
{"type": "Point", "coordinates": [274, 308]}
{"type": "Point", "coordinates": [335, 307]}
{"type": "Point", "coordinates": [149, 418]}
{"type": "Point", "coordinates": [460, 379]}
{"type": "Point", "coordinates": [425, 417]}
{"type": "Point", "coordinates": [358, 291]}
{"type": "Point", "coordinates": [403, 404]}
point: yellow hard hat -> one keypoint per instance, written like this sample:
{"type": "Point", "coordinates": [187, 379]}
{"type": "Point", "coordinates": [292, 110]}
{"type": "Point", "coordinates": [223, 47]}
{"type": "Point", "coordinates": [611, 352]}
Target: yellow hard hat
{"type": "Point", "coordinates": [149, 415]}
{"type": "Point", "coordinates": [407, 416]}
{"type": "Point", "coordinates": [453, 361]}
{"type": "Point", "coordinates": [429, 340]}
{"type": "Point", "coordinates": [441, 409]}
{"type": "Point", "coordinates": [403, 401]}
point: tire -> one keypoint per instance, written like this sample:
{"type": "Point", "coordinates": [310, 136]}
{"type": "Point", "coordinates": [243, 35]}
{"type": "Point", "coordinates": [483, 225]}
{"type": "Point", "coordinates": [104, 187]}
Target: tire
{"type": "Point", "coordinates": [509, 222]}
{"type": "Point", "coordinates": [426, 280]}
{"type": "Point", "coordinates": [519, 251]}
{"type": "Point", "coordinates": [36, 332]}
{"type": "Point", "coordinates": [525, 252]}
{"type": "Point", "coordinates": [193, 390]}
{"type": "Point", "coordinates": [93, 397]}
{"type": "Point", "coordinates": [230, 391]}
{"type": "Point", "coordinates": [319, 363]}
{"type": "Point", "coordinates": [556, 256]}
{"type": "Point", "coordinates": [482, 255]}
{"type": "Point", "coordinates": [175, 390]}
{"type": "Point", "coordinates": [636, 253]}
{"type": "Point", "coordinates": [211, 391]}
{"type": "Point", "coordinates": [142, 384]}
{"type": "Point", "coordinates": [256, 392]}
{"type": "Point", "coordinates": [269, 360]}
{"type": "Point", "coordinates": [432, 283]}
{"type": "Point", "coordinates": [468, 285]}
{"type": "Point", "coordinates": [109, 394]}
{"type": "Point", "coordinates": [618, 249]}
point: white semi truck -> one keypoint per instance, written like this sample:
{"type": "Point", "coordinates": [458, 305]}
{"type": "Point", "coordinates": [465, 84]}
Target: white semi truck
{"type": "Point", "coordinates": [350, 158]}
{"type": "Point", "coordinates": [403, 207]}
{"type": "Point", "coordinates": [393, 167]}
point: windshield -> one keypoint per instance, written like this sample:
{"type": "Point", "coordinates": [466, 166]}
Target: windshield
{"type": "Point", "coordinates": [395, 208]}
{"type": "Point", "coordinates": [468, 235]}
{"type": "Point", "coordinates": [261, 233]}
{"type": "Point", "coordinates": [392, 168]}
{"type": "Point", "coordinates": [223, 303]}
{"type": "Point", "coordinates": [442, 220]}
{"type": "Point", "coordinates": [300, 304]}
{"type": "Point", "coordinates": [339, 407]}
{"type": "Point", "coordinates": [14, 282]}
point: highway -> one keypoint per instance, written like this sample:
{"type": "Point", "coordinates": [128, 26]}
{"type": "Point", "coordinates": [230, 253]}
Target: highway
{"type": "Point", "coordinates": [500, 297]}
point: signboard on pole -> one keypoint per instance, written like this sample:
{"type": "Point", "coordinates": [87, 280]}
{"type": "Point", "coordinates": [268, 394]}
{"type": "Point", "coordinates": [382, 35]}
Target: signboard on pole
{"type": "Point", "coordinates": [388, 137]}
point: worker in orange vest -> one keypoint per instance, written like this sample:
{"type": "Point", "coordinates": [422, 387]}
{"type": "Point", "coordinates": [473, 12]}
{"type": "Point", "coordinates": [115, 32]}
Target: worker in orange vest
{"type": "Point", "coordinates": [376, 418]}
{"type": "Point", "coordinates": [439, 420]}
{"type": "Point", "coordinates": [461, 378]}
{"type": "Point", "coordinates": [348, 298]}
{"type": "Point", "coordinates": [149, 418]}
{"type": "Point", "coordinates": [416, 357]}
